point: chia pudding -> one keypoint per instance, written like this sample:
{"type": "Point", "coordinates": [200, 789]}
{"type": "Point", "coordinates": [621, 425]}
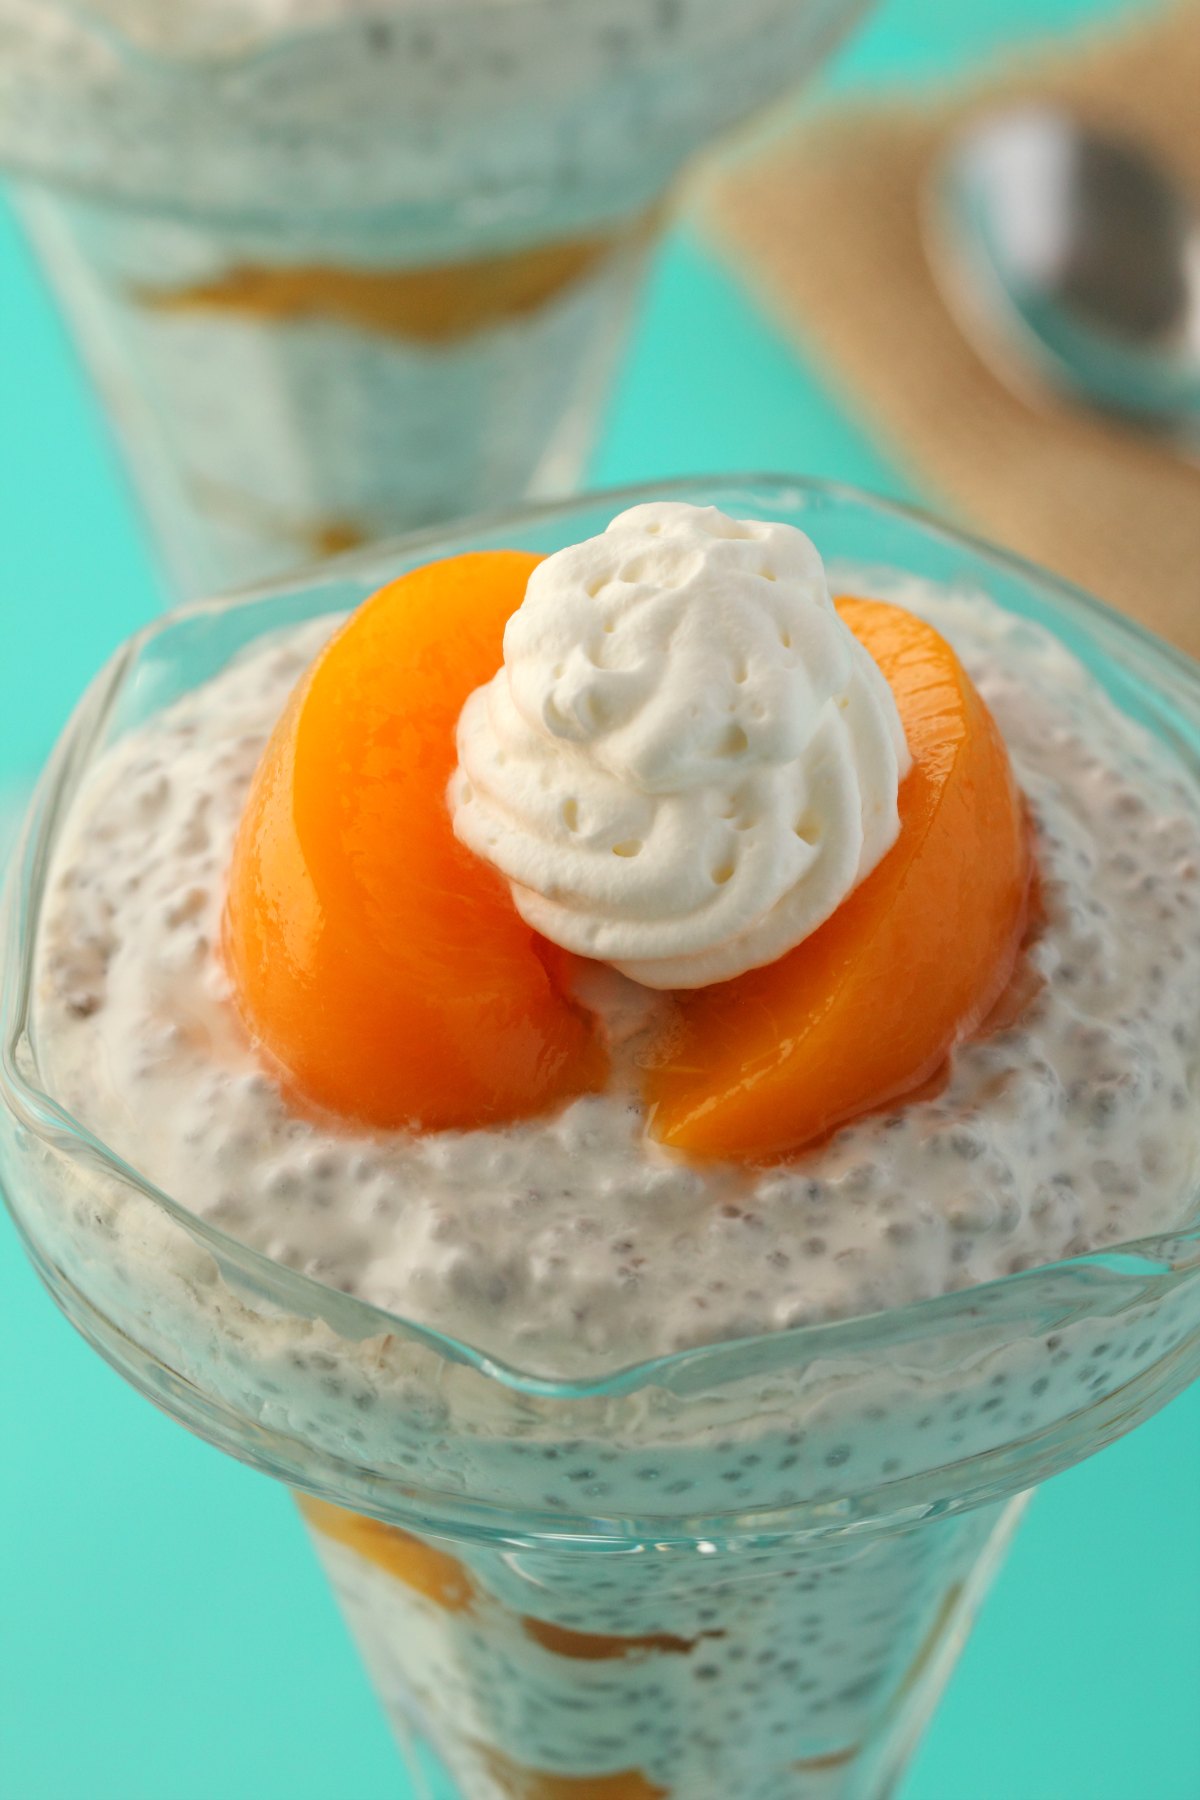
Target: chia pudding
{"type": "Point", "coordinates": [573, 1246]}
{"type": "Point", "coordinates": [341, 268]}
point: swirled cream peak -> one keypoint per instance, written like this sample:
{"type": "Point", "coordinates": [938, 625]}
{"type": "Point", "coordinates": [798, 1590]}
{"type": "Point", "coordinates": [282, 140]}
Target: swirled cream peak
{"type": "Point", "coordinates": [687, 760]}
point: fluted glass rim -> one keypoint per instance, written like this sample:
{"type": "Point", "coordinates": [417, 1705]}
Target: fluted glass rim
{"type": "Point", "coordinates": [247, 48]}
{"type": "Point", "coordinates": [229, 49]}
{"type": "Point", "coordinates": [1143, 1267]}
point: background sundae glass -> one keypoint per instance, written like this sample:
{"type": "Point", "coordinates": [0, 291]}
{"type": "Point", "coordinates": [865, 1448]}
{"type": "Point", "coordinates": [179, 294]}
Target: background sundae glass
{"type": "Point", "coordinates": [345, 267]}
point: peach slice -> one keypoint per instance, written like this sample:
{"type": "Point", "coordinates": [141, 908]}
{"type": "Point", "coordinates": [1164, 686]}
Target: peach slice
{"type": "Point", "coordinates": [867, 1009]}
{"type": "Point", "coordinates": [521, 1783]}
{"type": "Point", "coordinates": [378, 962]}
{"type": "Point", "coordinates": [588, 1646]}
{"type": "Point", "coordinates": [421, 1566]}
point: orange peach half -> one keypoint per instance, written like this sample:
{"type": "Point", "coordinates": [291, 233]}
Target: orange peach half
{"type": "Point", "coordinates": [866, 1010]}
{"type": "Point", "coordinates": [382, 966]}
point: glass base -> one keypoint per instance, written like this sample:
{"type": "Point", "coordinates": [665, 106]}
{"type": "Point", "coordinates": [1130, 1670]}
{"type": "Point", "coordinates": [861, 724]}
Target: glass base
{"type": "Point", "coordinates": [803, 1673]}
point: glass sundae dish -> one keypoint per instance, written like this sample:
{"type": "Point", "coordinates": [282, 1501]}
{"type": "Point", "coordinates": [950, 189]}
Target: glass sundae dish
{"type": "Point", "coordinates": [412, 1080]}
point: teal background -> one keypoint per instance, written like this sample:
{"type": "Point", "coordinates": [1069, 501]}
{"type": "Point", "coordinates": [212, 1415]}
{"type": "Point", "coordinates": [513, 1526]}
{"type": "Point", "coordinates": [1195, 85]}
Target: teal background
{"type": "Point", "coordinates": [164, 1631]}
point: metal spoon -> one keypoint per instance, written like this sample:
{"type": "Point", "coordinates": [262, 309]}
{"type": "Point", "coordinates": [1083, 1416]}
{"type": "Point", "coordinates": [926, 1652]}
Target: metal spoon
{"type": "Point", "coordinates": [1071, 260]}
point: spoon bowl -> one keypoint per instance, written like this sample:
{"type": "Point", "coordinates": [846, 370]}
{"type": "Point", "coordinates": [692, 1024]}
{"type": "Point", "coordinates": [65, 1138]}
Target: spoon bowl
{"type": "Point", "coordinates": [1071, 261]}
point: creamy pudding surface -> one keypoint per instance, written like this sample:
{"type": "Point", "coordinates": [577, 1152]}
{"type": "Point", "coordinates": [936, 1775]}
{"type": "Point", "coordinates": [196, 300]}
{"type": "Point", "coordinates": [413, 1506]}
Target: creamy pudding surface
{"type": "Point", "coordinates": [574, 1244]}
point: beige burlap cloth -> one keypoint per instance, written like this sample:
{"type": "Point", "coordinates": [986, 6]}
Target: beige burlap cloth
{"type": "Point", "coordinates": [826, 224]}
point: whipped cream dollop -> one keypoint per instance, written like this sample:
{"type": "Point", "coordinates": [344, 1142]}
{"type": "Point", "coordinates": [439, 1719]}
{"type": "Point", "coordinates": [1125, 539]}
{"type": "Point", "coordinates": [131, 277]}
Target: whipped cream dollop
{"type": "Point", "coordinates": [688, 760]}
